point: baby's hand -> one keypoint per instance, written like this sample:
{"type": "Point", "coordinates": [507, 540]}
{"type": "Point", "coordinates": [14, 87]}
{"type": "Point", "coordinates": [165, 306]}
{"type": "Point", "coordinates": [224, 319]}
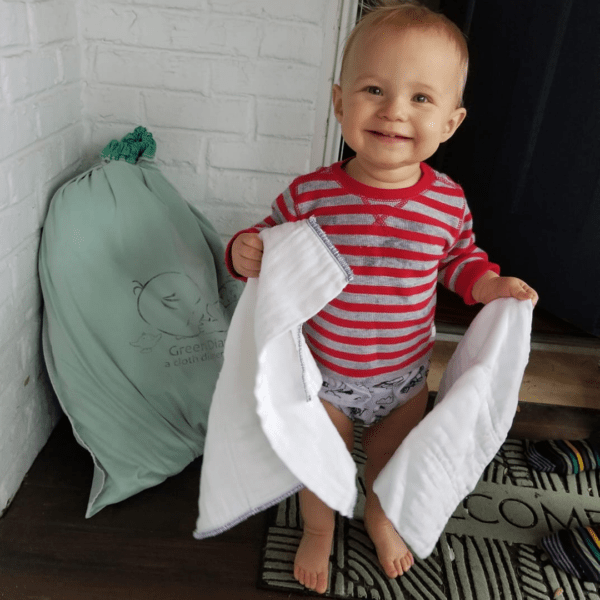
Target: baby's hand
{"type": "Point", "coordinates": [246, 254]}
{"type": "Point", "coordinates": [490, 286]}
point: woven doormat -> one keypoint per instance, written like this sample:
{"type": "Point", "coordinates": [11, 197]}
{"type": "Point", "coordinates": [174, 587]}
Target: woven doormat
{"type": "Point", "coordinates": [489, 549]}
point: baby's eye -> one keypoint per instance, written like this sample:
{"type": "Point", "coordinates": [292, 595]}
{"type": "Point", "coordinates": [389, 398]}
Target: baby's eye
{"type": "Point", "coordinates": [373, 89]}
{"type": "Point", "coordinates": [421, 98]}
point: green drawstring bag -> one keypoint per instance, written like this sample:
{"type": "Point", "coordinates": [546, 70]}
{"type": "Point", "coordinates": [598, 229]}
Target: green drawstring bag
{"type": "Point", "coordinates": [137, 303]}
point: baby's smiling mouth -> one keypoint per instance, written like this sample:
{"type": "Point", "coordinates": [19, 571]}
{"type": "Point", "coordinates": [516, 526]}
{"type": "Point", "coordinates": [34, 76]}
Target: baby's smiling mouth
{"type": "Point", "coordinates": [390, 136]}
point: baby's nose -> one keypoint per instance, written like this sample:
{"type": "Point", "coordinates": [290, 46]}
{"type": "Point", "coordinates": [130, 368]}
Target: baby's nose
{"type": "Point", "coordinates": [395, 109]}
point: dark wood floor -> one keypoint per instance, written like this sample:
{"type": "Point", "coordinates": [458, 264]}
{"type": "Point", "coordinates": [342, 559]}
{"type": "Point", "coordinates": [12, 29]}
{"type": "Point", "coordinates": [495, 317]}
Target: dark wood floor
{"type": "Point", "coordinates": [140, 549]}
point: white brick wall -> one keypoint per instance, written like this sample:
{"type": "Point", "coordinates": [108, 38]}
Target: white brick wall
{"type": "Point", "coordinates": [229, 89]}
{"type": "Point", "coordinates": [41, 143]}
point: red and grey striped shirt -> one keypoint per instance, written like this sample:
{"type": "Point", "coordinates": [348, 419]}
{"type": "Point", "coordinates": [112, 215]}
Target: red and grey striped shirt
{"type": "Point", "coordinates": [398, 243]}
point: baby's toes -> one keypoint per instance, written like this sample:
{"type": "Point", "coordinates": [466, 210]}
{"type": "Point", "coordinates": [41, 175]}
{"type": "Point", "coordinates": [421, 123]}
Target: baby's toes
{"type": "Point", "coordinates": [407, 561]}
{"type": "Point", "coordinates": [392, 568]}
{"type": "Point", "coordinates": [321, 583]}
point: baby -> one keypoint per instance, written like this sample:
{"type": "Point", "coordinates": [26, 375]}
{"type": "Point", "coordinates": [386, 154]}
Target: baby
{"type": "Point", "coordinates": [402, 227]}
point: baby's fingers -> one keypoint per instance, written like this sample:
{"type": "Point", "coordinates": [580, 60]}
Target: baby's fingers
{"type": "Point", "coordinates": [522, 291]}
{"type": "Point", "coordinates": [247, 267]}
{"type": "Point", "coordinates": [251, 245]}
{"type": "Point", "coordinates": [247, 254]}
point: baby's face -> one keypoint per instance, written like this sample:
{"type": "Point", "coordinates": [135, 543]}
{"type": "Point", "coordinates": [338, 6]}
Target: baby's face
{"type": "Point", "coordinates": [397, 102]}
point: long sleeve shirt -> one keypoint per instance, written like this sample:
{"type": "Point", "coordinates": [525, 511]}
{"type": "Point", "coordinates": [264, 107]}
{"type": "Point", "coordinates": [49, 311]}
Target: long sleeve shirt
{"type": "Point", "coordinates": [399, 243]}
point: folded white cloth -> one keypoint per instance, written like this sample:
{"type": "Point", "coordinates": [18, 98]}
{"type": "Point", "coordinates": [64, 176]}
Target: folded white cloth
{"type": "Point", "coordinates": [443, 457]}
{"type": "Point", "coordinates": [268, 433]}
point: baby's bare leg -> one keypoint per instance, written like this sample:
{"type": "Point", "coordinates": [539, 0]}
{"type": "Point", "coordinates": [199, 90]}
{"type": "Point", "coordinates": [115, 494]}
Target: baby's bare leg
{"type": "Point", "coordinates": [380, 442]}
{"type": "Point", "coordinates": [311, 566]}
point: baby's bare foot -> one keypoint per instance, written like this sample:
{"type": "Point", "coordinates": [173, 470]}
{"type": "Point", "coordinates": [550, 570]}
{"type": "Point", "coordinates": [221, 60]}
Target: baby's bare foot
{"type": "Point", "coordinates": [395, 558]}
{"type": "Point", "coordinates": [311, 566]}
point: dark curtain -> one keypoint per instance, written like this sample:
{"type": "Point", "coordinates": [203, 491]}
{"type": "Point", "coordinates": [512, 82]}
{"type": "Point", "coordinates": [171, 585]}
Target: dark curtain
{"type": "Point", "coordinates": [528, 154]}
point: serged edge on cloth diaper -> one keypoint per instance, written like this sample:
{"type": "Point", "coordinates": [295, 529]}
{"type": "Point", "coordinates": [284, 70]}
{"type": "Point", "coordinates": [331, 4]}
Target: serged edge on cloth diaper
{"type": "Point", "coordinates": [264, 444]}
{"type": "Point", "coordinates": [268, 434]}
{"type": "Point", "coordinates": [443, 458]}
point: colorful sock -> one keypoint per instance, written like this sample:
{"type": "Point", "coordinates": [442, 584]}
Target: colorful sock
{"type": "Point", "coordinates": [575, 551]}
{"type": "Point", "coordinates": [563, 457]}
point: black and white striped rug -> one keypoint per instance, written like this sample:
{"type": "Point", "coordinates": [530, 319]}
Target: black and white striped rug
{"type": "Point", "coordinates": [489, 549]}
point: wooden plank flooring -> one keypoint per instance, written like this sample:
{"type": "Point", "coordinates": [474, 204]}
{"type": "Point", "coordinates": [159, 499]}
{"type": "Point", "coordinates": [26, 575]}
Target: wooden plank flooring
{"type": "Point", "coordinates": [140, 549]}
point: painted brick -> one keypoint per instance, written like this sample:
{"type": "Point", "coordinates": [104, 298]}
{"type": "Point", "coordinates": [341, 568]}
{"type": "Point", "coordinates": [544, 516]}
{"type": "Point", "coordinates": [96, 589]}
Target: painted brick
{"type": "Point", "coordinates": [269, 187]}
{"type": "Point", "coordinates": [10, 324]}
{"type": "Point", "coordinates": [113, 103]}
{"type": "Point", "coordinates": [274, 79]}
{"type": "Point", "coordinates": [298, 43]}
{"type": "Point", "coordinates": [74, 141]}
{"type": "Point", "coordinates": [22, 184]}
{"type": "Point", "coordinates": [171, 29]}
{"type": "Point", "coordinates": [17, 222]}
{"type": "Point", "coordinates": [70, 63]}
{"type": "Point", "coordinates": [19, 128]}
{"type": "Point", "coordinates": [29, 73]}
{"type": "Point", "coordinates": [287, 120]}
{"type": "Point", "coordinates": [108, 22]}
{"type": "Point", "coordinates": [229, 219]}
{"type": "Point", "coordinates": [31, 352]}
{"type": "Point", "coordinates": [59, 109]}
{"type": "Point", "coordinates": [231, 188]}
{"type": "Point", "coordinates": [270, 156]}
{"type": "Point", "coordinates": [13, 19]}
{"type": "Point", "coordinates": [245, 189]}
{"type": "Point", "coordinates": [150, 69]}
{"type": "Point", "coordinates": [11, 362]}
{"type": "Point", "coordinates": [197, 112]}
{"type": "Point", "coordinates": [53, 21]}
{"type": "Point", "coordinates": [10, 405]}
{"type": "Point", "coordinates": [190, 4]}
{"type": "Point", "coordinates": [29, 300]}
{"type": "Point", "coordinates": [50, 160]}
{"type": "Point", "coordinates": [45, 160]}
{"type": "Point", "coordinates": [6, 284]}
{"type": "Point", "coordinates": [5, 191]}
{"type": "Point", "coordinates": [22, 263]}
{"type": "Point", "coordinates": [198, 33]}
{"type": "Point", "coordinates": [40, 53]}
{"type": "Point", "coordinates": [190, 183]}
{"type": "Point", "coordinates": [37, 418]}
{"type": "Point", "coordinates": [307, 10]}
{"type": "Point", "coordinates": [179, 147]}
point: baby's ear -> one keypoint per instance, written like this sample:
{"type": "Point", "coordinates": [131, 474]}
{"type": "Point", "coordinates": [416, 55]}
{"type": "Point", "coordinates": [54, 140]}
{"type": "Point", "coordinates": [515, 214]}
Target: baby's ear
{"type": "Point", "coordinates": [337, 102]}
{"type": "Point", "coordinates": [453, 123]}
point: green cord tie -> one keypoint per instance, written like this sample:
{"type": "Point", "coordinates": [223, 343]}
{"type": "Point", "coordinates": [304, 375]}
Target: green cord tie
{"type": "Point", "coordinates": [135, 145]}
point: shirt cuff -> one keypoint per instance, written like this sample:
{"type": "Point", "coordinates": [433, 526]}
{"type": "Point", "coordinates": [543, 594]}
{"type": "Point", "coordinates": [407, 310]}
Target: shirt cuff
{"type": "Point", "coordinates": [470, 275]}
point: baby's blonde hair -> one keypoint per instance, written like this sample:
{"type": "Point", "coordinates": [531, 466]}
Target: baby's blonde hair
{"type": "Point", "coordinates": [410, 14]}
